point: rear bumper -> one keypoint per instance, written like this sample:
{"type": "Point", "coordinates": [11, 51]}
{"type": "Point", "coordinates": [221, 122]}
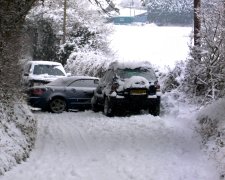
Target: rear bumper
{"type": "Point", "coordinates": [135, 102]}
{"type": "Point", "coordinates": [37, 102]}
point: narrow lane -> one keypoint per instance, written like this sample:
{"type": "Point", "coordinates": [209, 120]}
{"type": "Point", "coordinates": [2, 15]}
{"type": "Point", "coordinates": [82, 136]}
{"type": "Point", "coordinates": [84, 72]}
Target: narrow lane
{"type": "Point", "coordinates": [90, 146]}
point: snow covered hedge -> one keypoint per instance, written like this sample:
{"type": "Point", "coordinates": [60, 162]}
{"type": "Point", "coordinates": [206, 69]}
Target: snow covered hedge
{"type": "Point", "coordinates": [173, 79]}
{"type": "Point", "coordinates": [17, 134]}
{"type": "Point", "coordinates": [212, 129]}
{"type": "Point", "coordinates": [92, 63]}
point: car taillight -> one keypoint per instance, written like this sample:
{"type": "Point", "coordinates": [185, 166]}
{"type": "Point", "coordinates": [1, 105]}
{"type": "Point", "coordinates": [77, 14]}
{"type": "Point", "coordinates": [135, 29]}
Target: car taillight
{"type": "Point", "coordinates": [157, 86]}
{"type": "Point", "coordinates": [114, 86]}
{"type": "Point", "coordinates": [38, 91]}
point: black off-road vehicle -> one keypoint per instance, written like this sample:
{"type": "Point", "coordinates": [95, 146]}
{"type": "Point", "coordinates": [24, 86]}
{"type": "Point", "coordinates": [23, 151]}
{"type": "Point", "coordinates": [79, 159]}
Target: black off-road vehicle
{"type": "Point", "coordinates": [127, 87]}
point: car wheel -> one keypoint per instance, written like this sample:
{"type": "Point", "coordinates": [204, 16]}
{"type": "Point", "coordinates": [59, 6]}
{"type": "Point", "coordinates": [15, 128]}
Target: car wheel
{"type": "Point", "coordinates": [155, 110]}
{"type": "Point", "coordinates": [94, 105]}
{"type": "Point", "coordinates": [108, 108]}
{"type": "Point", "coordinates": [57, 105]}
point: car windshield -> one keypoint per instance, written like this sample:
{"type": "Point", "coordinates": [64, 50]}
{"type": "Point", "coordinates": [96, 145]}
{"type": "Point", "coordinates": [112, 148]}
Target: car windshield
{"type": "Point", "coordinates": [48, 69]}
{"type": "Point", "coordinates": [149, 74]}
{"type": "Point", "coordinates": [61, 82]}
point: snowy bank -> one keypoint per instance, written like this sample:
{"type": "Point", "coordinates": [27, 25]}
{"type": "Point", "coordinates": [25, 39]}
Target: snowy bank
{"type": "Point", "coordinates": [17, 135]}
{"type": "Point", "coordinates": [90, 146]}
{"type": "Point", "coordinates": [212, 130]}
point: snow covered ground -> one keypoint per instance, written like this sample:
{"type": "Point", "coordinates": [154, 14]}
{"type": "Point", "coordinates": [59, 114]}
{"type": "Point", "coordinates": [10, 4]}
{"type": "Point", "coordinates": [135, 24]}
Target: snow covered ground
{"type": "Point", "coordinates": [162, 46]}
{"type": "Point", "coordinates": [88, 145]}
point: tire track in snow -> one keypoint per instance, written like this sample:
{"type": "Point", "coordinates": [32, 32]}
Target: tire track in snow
{"type": "Point", "coordinates": [90, 146]}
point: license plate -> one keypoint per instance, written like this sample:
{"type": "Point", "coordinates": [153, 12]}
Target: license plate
{"type": "Point", "coordinates": [138, 92]}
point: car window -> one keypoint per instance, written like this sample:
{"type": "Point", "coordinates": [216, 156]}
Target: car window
{"type": "Point", "coordinates": [149, 74]}
{"type": "Point", "coordinates": [84, 83]}
{"type": "Point", "coordinates": [60, 82]}
{"type": "Point", "coordinates": [48, 69]}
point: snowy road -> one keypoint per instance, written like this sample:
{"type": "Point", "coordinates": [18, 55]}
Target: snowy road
{"type": "Point", "coordinates": [90, 146]}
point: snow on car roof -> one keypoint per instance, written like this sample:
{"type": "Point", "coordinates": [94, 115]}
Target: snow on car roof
{"type": "Point", "coordinates": [80, 77]}
{"type": "Point", "coordinates": [130, 65]}
{"type": "Point", "coordinates": [45, 62]}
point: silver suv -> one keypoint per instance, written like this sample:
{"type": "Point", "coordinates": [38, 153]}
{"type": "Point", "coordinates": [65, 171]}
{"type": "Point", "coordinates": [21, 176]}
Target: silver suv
{"type": "Point", "coordinates": [41, 72]}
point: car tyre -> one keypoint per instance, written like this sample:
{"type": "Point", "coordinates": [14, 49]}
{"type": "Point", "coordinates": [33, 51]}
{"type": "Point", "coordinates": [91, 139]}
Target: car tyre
{"type": "Point", "coordinates": [57, 105]}
{"type": "Point", "coordinates": [108, 107]}
{"type": "Point", "coordinates": [155, 110]}
{"type": "Point", "coordinates": [94, 104]}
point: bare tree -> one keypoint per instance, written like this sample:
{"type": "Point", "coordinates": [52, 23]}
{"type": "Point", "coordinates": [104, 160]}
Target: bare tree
{"type": "Point", "coordinates": [197, 23]}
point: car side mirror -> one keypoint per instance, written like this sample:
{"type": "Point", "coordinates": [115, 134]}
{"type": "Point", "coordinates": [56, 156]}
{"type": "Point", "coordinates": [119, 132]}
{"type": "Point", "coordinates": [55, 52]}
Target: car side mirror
{"type": "Point", "coordinates": [98, 90]}
{"type": "Point", "coordinates": [68, 74]}
{"type": "Point", "coordinates": [26, 74]}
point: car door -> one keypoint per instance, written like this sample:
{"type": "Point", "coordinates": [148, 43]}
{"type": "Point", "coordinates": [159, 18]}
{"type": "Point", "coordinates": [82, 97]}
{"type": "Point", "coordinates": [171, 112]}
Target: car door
{"type": "Point", "coordinates": [102, 84]}
{"type": "Point", "coordinates": [108, 82]}
{"type": "Point", "coordinates": [80, 92]}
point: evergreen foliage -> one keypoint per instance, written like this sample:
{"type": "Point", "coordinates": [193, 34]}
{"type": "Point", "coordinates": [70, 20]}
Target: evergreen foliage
{"type": "Point", "coordinates": [166, 12]}
{"type": "Point", "coordinates": [42, 42]}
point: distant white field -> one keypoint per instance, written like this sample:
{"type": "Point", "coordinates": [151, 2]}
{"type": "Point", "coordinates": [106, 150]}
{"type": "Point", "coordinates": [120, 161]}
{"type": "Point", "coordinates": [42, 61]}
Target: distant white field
{"type": "Point", "coordinates": [162, 46]}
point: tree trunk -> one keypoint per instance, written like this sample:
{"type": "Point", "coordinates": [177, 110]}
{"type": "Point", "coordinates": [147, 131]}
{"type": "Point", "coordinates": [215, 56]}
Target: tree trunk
{"type": "Point", "coordinates": [197, 29]}
{"type": "Point", "coordinates": [12, 16]}
{"type": "Point", "coordinates": [197, 22]}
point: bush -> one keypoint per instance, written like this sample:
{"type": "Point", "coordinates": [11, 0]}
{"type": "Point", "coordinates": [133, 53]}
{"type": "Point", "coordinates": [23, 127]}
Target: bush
{"type": "Point", "coordinates": [212, 129]}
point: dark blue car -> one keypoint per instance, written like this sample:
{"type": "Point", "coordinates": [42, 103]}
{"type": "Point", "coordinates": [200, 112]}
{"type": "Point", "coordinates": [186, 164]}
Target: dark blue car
{"type": "Point", "coordinates": [65, 93]}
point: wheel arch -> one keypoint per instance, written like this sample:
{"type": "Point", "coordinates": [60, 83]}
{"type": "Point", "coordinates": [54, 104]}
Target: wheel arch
{"type": "Point", "coordinates": [57, 96]}
{"type": "Point", "coordinates": [60, 97]}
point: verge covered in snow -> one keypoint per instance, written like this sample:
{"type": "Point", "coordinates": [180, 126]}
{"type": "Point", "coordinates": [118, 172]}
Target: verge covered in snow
{"type": "Point", "coordinates": [17, 135]}
{"type": "Point", "coordinates": [212, 128]}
